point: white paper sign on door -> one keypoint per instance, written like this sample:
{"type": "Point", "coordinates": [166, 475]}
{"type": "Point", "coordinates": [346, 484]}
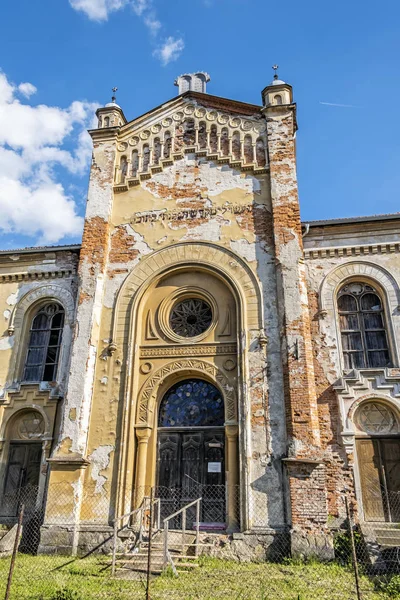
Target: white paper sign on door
{"type": "Point", "coordinates": [214, 467]}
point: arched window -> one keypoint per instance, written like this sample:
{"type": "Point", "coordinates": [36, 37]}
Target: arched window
{"type": "Point", "coordinates": [362, 326]}
{"type": "Point", "coordinates": [236, 145]}
{"type": "Point", "coordinates": [278, 99]}
{"type": "Point", "coordinates": [167, 144]}
{"type": "Point", "coordinates": [157, 151]}
{"type": "Point", "coordinates": [202, 135]}
{"type": "Point", "coordinates": [225, 142]}
{"type": "Point", "coordinates": [248, 150]}
{"type": "Point", "coordinates": [135, 162]}
{"type": "Point", "coordinates": [192, 403]}
{"type": "Point", "coordinates": [213, 138]}
{"type": "Point", "coordinates": [189, 135]}
{"type": "Point", "coordinates": [124, 169]}
{"type": "Point", "coordinates": [44, 344]}
{"type": "Point", "coordinates": [260, 153]}
{"type": "Point", "coordinates": [106, 121]}
{"type": "Point", "coordinates": [146, 158]}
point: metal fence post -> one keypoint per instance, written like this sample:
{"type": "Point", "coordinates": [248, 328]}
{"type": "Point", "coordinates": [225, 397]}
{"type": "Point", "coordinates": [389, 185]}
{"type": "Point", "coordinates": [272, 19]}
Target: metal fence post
{"type": "Point", "coordinates": [114, 554]}
{"type": "Point", "coordinates": [196, 551]}
{"type": "Point", "coordinates": [149, 552]}
{"type": "Point", "coordinates": [353, 549]}
{"type": "Point", "coordinates": [15, 550]}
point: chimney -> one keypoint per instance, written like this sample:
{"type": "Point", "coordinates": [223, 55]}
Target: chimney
{"type": "Point", "coordinates": [192, 82]}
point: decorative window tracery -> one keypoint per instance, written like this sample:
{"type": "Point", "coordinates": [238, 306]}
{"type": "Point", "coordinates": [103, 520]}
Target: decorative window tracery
{"type": "Point", "coordinates": [362, 326]}
{"type": "Point", "coordinates": [192, 403]}
{"type": "Point", "coordinates": [30, 425]}
{"type": "Point", "coordinates": [190, 317]}
{"type": "Point", "coordinates": [376, 418]}
{"type": "Point", "coordinates": [44, 344]}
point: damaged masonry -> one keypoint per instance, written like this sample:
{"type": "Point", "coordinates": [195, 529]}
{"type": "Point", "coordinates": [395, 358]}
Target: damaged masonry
{"type": "Point", "coordinates": [202, 338]}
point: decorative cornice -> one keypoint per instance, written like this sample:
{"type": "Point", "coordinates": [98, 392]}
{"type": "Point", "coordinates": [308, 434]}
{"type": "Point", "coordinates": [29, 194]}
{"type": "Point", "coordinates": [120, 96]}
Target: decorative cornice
{"type": "Point", "coordinates": [362, 250]}
{"type": "Point", "coordinates": [188, 351]}
{"type": "Point", "coordinates": [36, 275]}
{"type": "Point", "coordinates": [384, 381]}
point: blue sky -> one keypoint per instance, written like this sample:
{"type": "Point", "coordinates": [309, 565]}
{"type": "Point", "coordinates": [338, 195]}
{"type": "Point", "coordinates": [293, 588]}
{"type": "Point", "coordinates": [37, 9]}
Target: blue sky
{"type": "Point", "coordinates": [72, 52]}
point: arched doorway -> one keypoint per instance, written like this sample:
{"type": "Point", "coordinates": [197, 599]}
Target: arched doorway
{"type": "Point", "coordinates": [22, 474]}
{"type": "Point", "coordinates": [378, 452]}
{"type": "Point", "coordinates": [191, 449]}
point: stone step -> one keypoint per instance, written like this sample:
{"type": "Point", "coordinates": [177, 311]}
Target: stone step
{"type": "Point", "coordinates": [389, 542]}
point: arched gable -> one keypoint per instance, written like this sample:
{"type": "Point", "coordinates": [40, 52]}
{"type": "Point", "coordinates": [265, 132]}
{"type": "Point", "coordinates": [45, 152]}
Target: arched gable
{"type": "Point", "coordinates": [216, 258]}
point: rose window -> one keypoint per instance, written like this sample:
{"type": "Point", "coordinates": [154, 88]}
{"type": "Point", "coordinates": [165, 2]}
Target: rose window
{"type": "Point", "coordinates": [190, 317]}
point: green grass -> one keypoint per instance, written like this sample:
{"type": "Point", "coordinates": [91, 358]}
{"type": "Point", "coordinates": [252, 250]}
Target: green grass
{"type": "Point", "coordinates": [43, 576]}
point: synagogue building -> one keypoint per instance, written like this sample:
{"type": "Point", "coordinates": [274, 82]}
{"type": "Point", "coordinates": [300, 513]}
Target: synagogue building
{"type": "Point", "coordinates": [202, 340]}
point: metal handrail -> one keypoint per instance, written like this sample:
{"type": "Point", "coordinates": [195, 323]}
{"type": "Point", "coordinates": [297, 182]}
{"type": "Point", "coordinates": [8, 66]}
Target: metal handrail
{"type": "Point", "coordinates": [166, 555]}
{"type": "Point", "coordinates": [115, 524]}
{"type": "Point", "coordinates": [141, 509]}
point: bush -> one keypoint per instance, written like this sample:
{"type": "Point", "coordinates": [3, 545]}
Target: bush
{"type": "Point", "coordinates": [393, 587]}
{"type": "Point", "coordinates": [66, 594]}
{"type": "Point", "coordinates": [342, 547]}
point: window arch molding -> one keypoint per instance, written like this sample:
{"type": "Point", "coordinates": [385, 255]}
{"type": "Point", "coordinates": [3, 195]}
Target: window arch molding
{"type": "Point", "coordinates": [358, 405]}
{"type": "Point", "coordinates": [21, 319]}
{"type": "Point", "coordinates": [371, 274]}
{"type": "Point", "coordinates": [12, 418]}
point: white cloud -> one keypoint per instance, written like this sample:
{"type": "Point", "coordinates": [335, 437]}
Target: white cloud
{"type": "Point", "coordinates": [140, 6]}
{"type": "Point", "coordinates": [170, 50]}
{"type": "Point", "coordinates": [27, 89]}
{"type": "Point", "coordinates": [35, 143]}
{"type": "Point", "coordinates": [98, 10]}
{"type": "Point", "coordinates": [152, 24]}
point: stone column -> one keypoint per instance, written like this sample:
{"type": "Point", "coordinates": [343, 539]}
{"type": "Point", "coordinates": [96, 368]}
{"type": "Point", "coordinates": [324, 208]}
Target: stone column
{"type": "Point", "coordinates": [143, 435]}
{"type": "Point", "coordinates": [231, 432]}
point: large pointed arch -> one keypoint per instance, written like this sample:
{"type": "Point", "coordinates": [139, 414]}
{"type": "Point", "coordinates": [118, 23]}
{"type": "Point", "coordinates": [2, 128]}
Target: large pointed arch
{"type": "Point", "coordinates": [216, 258]}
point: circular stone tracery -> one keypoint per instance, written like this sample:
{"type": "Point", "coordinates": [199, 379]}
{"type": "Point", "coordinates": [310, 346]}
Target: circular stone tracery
{"type": "Point", "coordinates": [190, 317]}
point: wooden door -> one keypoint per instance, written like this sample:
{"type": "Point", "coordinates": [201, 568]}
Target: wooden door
{"type": "Point", "coordinates": [22, 477]}
{"type": "Point", "coordinates": [191, 465]}
{"type": "Point", "coordinates": [379, 464]}
{"type": "Point", "coordinates": [370, 477]}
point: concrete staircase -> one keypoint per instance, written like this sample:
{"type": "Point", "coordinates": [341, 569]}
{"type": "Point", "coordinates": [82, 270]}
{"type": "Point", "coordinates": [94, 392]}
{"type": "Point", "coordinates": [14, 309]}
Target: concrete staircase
{"type": "Point", "coordinates": [134, 562]}
{"type": "Point", "coordinates": [383, 544]}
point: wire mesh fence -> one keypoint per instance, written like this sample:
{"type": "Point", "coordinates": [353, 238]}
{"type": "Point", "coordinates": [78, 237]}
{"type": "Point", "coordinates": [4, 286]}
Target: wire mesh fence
{"type": "Point", "coordinates": [197, 542]}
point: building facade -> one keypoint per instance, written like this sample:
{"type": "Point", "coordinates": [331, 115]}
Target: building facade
{"type": "Point", "coordinates": [201, 337]}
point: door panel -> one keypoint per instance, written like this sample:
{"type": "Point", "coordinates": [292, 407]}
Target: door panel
{"type": "Point", "coordinates": [370, 477]}
{"type": "Point", "coordinates": [22, 477]}
{"type": "Point", "coordinates": [191, 464]}
{"type": "Point", "coordinates": [390, 453]}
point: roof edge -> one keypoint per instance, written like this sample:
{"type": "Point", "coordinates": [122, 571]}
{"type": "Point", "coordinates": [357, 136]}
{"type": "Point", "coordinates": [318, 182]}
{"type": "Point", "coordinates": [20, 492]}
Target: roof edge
{"type": "Point", "coordinates": [33, 249]}
{"type": "Point", "coordinates": [350, 220]}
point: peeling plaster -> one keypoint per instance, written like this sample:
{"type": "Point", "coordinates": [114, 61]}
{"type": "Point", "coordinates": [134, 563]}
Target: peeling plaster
{"type": "Point", "coordinates": [244, 248]}
{"type": "Point", "coordinates": [7, 343]}
{"type": "Point", "coordinates": [12, 298]}
{"type": "Point", "coordinates": [100, 459]}
{"type": "Point", "coordinates": [7, 314]}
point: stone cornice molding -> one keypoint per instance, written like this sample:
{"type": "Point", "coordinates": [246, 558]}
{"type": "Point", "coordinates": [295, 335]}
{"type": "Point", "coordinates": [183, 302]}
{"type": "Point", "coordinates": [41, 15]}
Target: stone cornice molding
{"type": "Point", "coordinates": [356, 250]}
{"type": "Point", "coordinates": [37, 275]}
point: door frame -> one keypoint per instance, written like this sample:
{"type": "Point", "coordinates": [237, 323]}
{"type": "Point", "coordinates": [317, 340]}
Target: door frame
{"type": "Point", "coordinates": [26, 444]}
{"type": "Point", "coordinates": [381, 474]}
